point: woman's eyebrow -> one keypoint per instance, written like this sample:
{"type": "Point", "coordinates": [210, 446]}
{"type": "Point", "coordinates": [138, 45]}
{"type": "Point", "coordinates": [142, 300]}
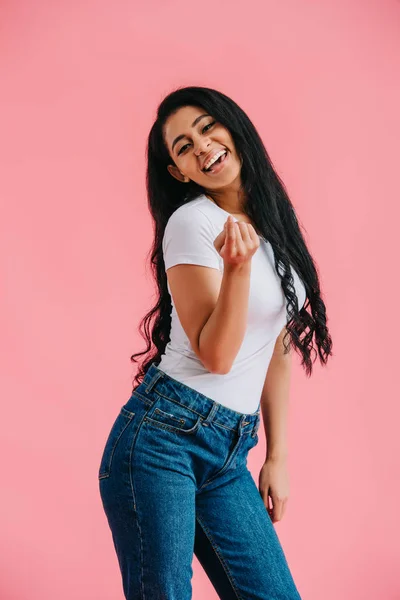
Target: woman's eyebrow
{"type": "Point", "coordinates": [180, 137]}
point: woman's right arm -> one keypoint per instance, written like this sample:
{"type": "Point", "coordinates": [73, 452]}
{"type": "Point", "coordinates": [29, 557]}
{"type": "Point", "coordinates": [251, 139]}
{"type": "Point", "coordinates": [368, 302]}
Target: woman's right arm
{"type": "Point", "coordinates": [212, 307]}
{"type": "Point", "coordinates": [222, 335]}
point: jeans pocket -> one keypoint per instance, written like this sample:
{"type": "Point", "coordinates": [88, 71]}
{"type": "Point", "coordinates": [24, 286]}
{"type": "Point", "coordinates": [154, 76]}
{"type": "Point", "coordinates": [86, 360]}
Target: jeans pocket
{"type": "Point", "coordinates": [173, 416]}
{"type": "Point", "coordinates": [118, 428]}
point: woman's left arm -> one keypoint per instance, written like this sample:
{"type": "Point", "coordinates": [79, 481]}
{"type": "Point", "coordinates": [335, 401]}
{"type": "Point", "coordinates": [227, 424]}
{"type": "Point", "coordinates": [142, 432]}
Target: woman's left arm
{"type": "Point", "coordinates": [274, 477]}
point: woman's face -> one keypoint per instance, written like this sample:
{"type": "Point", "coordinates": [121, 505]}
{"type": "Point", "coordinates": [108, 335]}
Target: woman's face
{"type": "Point", "coordinates": [193, 137]}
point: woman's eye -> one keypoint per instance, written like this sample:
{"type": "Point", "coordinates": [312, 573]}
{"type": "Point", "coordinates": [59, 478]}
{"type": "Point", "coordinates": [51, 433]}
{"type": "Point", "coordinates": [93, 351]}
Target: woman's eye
{"type": "Point", "coordinates": [209, 125]}
{"type": "Point", "coordinates": [182, 149]}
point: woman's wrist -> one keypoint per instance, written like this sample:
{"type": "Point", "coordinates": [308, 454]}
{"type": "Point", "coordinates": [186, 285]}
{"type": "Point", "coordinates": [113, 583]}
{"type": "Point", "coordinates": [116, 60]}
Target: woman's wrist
{"type": "Point", "coordinates": [276, 456]}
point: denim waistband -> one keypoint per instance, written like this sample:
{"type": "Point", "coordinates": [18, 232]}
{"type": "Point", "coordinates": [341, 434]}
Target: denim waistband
{"type": "Point", "coordinates": [156, 380]}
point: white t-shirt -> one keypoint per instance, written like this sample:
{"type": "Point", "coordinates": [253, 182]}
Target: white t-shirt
{"type": "Point", "coordinates": [189, 238]}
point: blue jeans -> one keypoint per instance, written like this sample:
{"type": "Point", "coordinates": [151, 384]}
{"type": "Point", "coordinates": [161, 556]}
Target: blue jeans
{"type": "Point", "coordinates": [174, 481]}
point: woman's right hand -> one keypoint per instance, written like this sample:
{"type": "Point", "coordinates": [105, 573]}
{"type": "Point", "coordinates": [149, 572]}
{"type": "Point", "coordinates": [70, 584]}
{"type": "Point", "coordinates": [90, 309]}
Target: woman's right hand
{"type": "Point", "coordinates": [237, 242]}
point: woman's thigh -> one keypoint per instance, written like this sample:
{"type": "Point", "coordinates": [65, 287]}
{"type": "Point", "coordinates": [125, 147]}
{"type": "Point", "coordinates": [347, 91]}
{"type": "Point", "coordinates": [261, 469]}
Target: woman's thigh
{"type": "Point", "coordinates": [237, 544]}
{"type": "Point", "coordinates": [148, 495]}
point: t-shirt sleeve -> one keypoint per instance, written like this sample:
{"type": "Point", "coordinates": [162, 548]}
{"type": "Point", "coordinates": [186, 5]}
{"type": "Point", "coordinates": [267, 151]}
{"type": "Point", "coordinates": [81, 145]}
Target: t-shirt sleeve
{"type": "Point", "coordinates": [189, 239]}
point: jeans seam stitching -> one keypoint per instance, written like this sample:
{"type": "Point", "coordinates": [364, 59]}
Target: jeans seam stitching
{"type": "Point", "coordinates": [160, 425]}
{"type": "Point", "coordinates": [220, 558]}
{"type": "Point", "coordinates": [178, 403]}
{"type": "Point", "coordinates": [192, 410]}
{"type": "Point", "coordinates": [130, 463]}
{"type": "Point", "coordinates": [143, 399]}
{"type": "Point", "coordinates": [107, 468]}
{"type": "Point", "coordinates": [142, 595]}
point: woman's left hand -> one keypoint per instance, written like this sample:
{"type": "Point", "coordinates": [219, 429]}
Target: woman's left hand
{"type": "Point", "coordinates": [273, 482]}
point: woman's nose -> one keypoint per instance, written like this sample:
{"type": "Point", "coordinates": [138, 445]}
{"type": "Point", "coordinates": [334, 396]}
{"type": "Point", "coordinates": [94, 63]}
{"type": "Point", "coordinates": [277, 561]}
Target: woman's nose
{"type": "Point", "coordinates": [201, 146]}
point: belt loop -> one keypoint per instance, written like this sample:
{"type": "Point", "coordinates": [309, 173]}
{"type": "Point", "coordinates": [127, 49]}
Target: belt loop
{"type": "Point", "coordinates": [242, 422]}
{"type": "Point", "coordinates": [256, 425]}
{"type": "Point", "coordinates": [210, 415]}
{"type": "Point", "coordinates": [154, 380]}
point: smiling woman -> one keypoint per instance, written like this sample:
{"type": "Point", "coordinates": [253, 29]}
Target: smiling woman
{"type": "Point", "coordinates": [235, 278]}
{"type": "Point", "coordinates": [196, 140]}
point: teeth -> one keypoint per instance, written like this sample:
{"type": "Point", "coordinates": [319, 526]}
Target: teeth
{"type": "Point", "coordinates": [213, 159]}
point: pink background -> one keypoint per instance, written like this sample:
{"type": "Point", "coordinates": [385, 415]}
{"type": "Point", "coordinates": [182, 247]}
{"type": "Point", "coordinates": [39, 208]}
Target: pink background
{"type": "Point", "coordinates": [80, 83]}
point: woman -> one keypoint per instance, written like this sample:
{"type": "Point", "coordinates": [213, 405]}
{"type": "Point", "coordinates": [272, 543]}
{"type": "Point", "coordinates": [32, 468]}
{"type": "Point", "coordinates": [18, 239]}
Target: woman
{"type": "Point", "coordinates": [235, 280]}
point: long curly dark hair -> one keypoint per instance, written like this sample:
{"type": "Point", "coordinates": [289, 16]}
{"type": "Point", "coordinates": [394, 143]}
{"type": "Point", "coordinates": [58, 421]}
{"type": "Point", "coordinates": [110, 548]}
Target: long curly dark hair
{"type": "Point", "coordinates": [269, 208]}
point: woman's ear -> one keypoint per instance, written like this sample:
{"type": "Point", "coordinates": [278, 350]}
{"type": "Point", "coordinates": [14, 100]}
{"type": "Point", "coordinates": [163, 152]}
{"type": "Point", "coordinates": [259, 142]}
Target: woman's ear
{"type": "Point", "coordinates": [175, 172]}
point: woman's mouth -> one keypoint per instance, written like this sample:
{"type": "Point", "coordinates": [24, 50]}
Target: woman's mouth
{"type": "Point", "coordinates": [218, 165]}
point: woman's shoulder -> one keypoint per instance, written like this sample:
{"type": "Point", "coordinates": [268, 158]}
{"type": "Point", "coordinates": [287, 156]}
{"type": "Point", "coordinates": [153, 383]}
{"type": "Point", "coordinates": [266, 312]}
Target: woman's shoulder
{"type": "Point", "coordinates": [194, 213]}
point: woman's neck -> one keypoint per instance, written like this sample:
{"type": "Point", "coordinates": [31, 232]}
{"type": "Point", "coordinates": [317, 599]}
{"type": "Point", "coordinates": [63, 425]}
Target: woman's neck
{"type": "Point", "coordinates": [233, 207]}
